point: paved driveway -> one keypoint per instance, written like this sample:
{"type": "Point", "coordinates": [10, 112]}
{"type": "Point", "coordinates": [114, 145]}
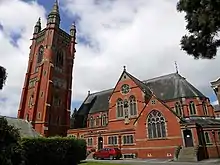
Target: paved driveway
{"type": "Point", "coordinates": [156, 161]}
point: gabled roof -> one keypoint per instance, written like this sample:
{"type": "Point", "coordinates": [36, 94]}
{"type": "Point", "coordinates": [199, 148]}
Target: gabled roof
{"type": "Point", "coordinates": [166, 87]}
{"type": "Point", "coordinates": [172, 86]}
{"type": "Point", "coordinates": [25, 128]}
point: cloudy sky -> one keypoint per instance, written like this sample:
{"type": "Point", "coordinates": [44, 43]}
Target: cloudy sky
{"type": "Point", "coordinates": [142, 34]}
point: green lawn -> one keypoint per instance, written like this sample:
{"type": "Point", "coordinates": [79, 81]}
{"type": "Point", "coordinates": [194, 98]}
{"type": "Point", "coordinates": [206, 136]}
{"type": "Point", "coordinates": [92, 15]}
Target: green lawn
{"type": "Point", "coordinates": [98, 163]}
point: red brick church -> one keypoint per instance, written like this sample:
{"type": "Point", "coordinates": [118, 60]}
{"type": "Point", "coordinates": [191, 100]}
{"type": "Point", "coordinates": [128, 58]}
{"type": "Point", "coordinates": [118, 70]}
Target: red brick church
{"type": "Point", "coordinates": [163, 117]}
{"type": "Point", "coordinates": [149, 119]}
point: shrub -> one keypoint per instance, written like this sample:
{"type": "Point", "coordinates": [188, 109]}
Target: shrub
{"type": "Point", "coordinates": [10, 148]}
{"type": "Point", "coordinates": [56, 151]}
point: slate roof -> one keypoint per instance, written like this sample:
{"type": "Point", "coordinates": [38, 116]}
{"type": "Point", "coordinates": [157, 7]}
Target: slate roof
{"type": "Point", "coordinates": [167, 87]}
{"type": "Point", "coordinates": [216, 107]}
{"type": "Point", "coordinates": [25, 128]}
{"type": "Point", "coordinates": [172, 86]}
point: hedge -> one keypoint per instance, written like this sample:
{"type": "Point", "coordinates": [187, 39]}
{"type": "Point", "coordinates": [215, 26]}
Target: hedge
{"type": "Point", "coordinates": [11, 152]}
{"type": "Point", "coordinates": [54, 151]}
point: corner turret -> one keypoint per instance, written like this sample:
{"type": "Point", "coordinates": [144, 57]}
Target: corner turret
{"type": "Point", "coordinates": [37, 27]}
{"type": "Point", "coordinates": [54, 16]}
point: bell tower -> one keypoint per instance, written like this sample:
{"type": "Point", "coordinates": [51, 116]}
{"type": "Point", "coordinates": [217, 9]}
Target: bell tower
{"type": "Point", "coordinates": [46, 94]}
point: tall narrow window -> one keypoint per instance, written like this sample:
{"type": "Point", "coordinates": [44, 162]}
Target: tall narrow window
{"type": "Point", "coordinates": [31, 99]}
{"type": "Point", "coordinates": [133, 106]}
{"type": "Point", "coordinates": [156, 125]}
{"type": "Point", "coordinates": [120, 108]}
{"type": "Point", "coordinates": [192, 108]}
{"type": "Point", "coordinates": [97, 121]}
{"type": "Point", "coordinates": [91, 122]}
{"type": "Point", "coordinates": [104, 120]}
{"type": "Point", "coordinates": [204, 107]}
{"type": "Point", "coordinates": [126, 105]}
{"type": "Point", "coordinates": [89, 141]}
{"type": "Point", "coordinates": [40, 54]}
{"type": "Point", "coordinates": [59, 59]}
{"type": "Point", "coordinates": [207, 139]}
{"type": "Point", "coordinates": [178, 108]}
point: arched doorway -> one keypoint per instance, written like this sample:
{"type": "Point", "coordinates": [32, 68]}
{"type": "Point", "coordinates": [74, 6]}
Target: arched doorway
{"type": "Point", "coordinates": [100, 143]}
{"type": "Point", "coordinates": [188, 138]}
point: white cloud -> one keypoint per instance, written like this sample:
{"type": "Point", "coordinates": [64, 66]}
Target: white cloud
{"type": "Point", "coordinates": [143, 35]}
{"type": "Point", "coordinates": [215, 102]}
{"type": "Point", "coordinates": [17, 18]}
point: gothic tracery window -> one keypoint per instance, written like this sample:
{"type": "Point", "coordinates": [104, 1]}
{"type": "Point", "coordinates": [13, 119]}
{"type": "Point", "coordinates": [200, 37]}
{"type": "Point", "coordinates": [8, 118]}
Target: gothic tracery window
{"type": "Point", "coordinates": [192, 108]}
{"type": "Point", "coordinates": [178, 108]}
{"type": "Point", "coordinates": [156, 125]}
{"type": "Point", "coordinates": [40, 54]}
{"type": "Point", "coordinates": [120, 108]}
{"type": "Point", "coordinates": [133, 106]}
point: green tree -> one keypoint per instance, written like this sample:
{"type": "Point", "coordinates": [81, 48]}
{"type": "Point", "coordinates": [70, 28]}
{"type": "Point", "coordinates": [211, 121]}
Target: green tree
{"type": "Point", "coordinates": [10, 148]}
{"type": "Point", "coordinates": [203, 25]}
{"type": "Point", "coordinates": [3, 76]}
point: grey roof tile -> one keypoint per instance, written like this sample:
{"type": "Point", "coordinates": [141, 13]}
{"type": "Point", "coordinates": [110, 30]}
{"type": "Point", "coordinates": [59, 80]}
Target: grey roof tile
{"type": "Point", "coordinates": [216, 107]}
{"type": "Point", "coordinates": [25, 128]}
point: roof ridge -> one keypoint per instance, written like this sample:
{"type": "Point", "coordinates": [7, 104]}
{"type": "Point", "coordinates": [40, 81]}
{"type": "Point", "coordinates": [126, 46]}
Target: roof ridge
{"type": "Point", "coordinates": [101, 91]}
{"type": "Point", "coordinates": [162, 76]}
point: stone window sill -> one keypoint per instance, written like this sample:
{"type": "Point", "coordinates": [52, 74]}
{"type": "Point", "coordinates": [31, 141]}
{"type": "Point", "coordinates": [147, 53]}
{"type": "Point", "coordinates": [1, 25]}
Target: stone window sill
{"type": "Point", "coordinates": [157, 139]}
{"type": "Point", "coordinates": [132, 144]}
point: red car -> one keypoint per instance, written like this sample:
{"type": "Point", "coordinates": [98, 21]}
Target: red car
{"type": "Point", "coordinates": [108, 153]}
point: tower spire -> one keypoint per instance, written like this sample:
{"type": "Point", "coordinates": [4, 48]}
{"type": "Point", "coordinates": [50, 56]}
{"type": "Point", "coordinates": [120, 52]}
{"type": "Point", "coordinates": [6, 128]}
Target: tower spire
{"type": "Point", "coordinates": [54, 16]}
{"type": "Point", "coordinates": [176, 67]}
{"type": "Point", "coordinates": [37, 27]}
{"type": "Point", "coordinates": [55, 8]}
{"type": "Point", "coordinates": [73, 29]}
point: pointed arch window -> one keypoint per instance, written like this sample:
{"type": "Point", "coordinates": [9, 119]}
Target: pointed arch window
{"type": "Point", "coordinates": [120, 108]}
{"type": "Point", "coordinates": [178, 109]}
{"type": "Point", "coordinates": [126, 105]}
{"type": "Point", "coordinates": [133, 106]}
{"type": "Point", "coordinates": [204, 107]}
{"type": "Point", "coordinates": [192, 108]}
{"type": "Point", "coordinates": [156, 127]}
{"type": "Point", "coordinates": [59, 58]}
{"type": "Point", "coordinates": [40, 54]}
{"type": "Point", "coordinates": [91, 122]}
{"type": "Point", "coordinates": [31, 99]}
